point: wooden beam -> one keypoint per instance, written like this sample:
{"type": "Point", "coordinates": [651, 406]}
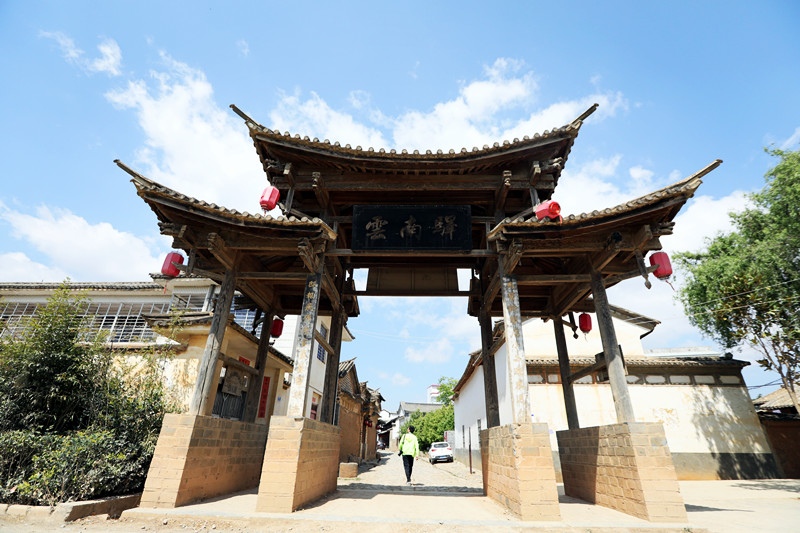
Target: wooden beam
{"type": "Point", "coordinates": [255, 389]}
{"type": "Point", "coordinates": [566, 383]}
{"type": "Point", "coordinates": [502, 191]}
{"type": "Point", "coordinates": [322, 341]}
{"type": "Point", "coordinates": [551, 279]}
{"type": "Point", "coordinates": [231, 362]}
{"type": "Point", "coordinates": [216, 245]}
{"type": "Point", "coordinates": [346, 252]}
{"type": "Point", "coordinates": [426, 292]}
{"type": "Point", "coordinates": [273, 276]}
{"type": "Point", "coordinates": [207, 372]}
{"type": "Point", "coordinates": [587, 370]}
{"type": "Point", "coordinates": [489, 372]}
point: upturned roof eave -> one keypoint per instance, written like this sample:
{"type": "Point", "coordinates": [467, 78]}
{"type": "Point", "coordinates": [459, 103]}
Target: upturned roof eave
{"type": "Point", "coordinates": [682, 190]}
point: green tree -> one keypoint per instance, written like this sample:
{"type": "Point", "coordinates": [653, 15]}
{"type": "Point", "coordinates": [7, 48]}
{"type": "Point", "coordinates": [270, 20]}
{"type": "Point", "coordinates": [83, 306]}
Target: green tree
{"type": "Point", "coordinates": [446, 386]}
{"type": "Point", "coordinates": [47, 375]}
{"type": "Point", "coordinates": [744, 288]}
{"type": "Point", "coordinates": [430, 427]}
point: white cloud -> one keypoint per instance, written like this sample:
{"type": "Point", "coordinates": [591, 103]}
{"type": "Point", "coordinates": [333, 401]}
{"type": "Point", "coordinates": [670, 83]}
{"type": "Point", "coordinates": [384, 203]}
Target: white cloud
{"type": "Point", "coordinates": [110, 59]}
{"type": "Point", "coordinates": [400, 380]}
{"type": "Point", "coordinates": [192, 144]}
{"type": "Point", "coordinates": [18, 267]}
{"type": "Point", "coordinates": [792, 142]}
{"type": "Point", "coordinates": [703, 217]}
{"type": "Point", "coordinates": [315, 118]}
{"type": "Point", "coordinates": [641, 176]}
{"type": "Point", "coordinates": [440, 351]}
{"type": "Point", "coordinates": [244, 48]}
{"type": "Point", "coordinates": [78, 249]}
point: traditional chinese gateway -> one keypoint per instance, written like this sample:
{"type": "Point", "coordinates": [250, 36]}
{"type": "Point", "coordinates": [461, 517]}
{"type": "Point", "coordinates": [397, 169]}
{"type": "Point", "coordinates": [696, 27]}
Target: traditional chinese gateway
{"type": "Point", "coordinates": [413, 219]}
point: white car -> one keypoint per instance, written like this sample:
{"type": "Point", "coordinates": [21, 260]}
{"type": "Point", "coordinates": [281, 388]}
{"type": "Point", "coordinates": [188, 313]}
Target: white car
{"type": "Point", "coordinates": [440, 451]}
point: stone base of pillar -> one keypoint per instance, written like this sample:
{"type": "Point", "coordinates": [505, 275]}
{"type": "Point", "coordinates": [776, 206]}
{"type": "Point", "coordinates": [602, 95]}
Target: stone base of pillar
{"type": "Point", "coordinates": [518, 471]}
{"type": "Point", "coordinates": [301, 464]}
{"type": "Point", "coordinates": [627, 467]}
{"type": "Point", "coordinates": [199, 457]}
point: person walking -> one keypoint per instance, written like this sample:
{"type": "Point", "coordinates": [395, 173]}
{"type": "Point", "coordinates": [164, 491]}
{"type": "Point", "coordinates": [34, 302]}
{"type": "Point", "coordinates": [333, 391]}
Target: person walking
{"type": "Point", "coordinates": [409, 449]}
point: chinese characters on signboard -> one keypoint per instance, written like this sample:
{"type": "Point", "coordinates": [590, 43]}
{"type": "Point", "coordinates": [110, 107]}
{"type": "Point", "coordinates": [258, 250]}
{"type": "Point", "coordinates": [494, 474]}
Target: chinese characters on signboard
{"type": "Point", "coordinates": [412, 227]}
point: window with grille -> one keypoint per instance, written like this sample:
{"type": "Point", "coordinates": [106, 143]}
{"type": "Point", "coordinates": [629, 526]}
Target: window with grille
{"type": "Point", "coordinates": [320, 350]}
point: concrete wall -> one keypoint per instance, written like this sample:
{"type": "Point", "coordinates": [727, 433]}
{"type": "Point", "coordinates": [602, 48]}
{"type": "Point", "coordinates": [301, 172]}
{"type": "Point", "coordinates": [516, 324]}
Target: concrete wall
{"type": "Point", "coordinates": [200, 457]}
{"type": "Point", "coordinates": [518, 473]}
{"type": "Point", "coordinates": [626, 467]}
{"type": "Point", "coordinates": [303, 464]}
{"type": "Point", "coordinates": [470, 407]}
{"type": "Point", "coordinates": [712, 430]}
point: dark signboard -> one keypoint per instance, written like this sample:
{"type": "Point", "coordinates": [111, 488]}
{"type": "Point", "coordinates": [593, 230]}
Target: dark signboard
{"type": "Point", "coordinates": [412, 227]}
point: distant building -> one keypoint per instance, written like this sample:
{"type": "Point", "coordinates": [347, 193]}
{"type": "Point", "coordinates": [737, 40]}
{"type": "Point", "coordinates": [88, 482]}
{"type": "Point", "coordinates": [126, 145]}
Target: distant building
{"type": "Point", "coordinates": [403, 414]}
{"type": "Point", "coordinates": [433, 393]}
{"type": "Point", "coordinates": [700, 398]}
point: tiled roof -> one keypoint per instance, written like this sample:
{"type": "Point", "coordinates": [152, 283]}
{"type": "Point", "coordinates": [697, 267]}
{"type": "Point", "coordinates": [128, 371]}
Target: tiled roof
{"type": "Point", "coordinates": [569, 130]}
{"type": "Point", "coordinates": [345, 366]}
{"type": "Point", "coordinates": [685, 187]}
{"type": "Point", "coordinates": [146, 186]}
{"type": "Point", "coordinates": [422, 407]}
{"type": "Point", "coordinates": [646, 361]}
{"type": "Point", "coordinates": [109, 286]}
{"type": "Point", "coordinates": [778, 399]}
{"type": "Point", "coordinates": [205, 317]}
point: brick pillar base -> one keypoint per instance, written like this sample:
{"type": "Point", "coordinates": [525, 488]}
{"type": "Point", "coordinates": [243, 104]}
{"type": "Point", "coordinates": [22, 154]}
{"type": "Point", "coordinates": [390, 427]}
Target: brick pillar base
{"type": "Point", "coordinates": [518, 471]}
{"type": "Point", "coordinates": [300, 465]}
{"type": "Point", "coordinates": [627, 467]}
{"type": "Point", "coordinates": [198, 457]}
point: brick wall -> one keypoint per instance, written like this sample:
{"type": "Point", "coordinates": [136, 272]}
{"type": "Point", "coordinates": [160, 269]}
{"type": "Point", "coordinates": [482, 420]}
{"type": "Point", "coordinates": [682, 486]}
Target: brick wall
{"type": "Point", "coordinates": [626, 467]}
{"type": "Point", "coordinates": [303, 464]}
{"type": "Point", "coordinates": [199, 457]}
{"type": "Point", "coordinates": [784, 436]}
{"type": "Point", "coordinates": [350, 423]}
{"type": "Point", "coordinates": [518, 471]}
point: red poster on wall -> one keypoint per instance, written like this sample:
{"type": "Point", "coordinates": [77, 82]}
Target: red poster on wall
{"type": "Point", "coordinates": [262, 402]}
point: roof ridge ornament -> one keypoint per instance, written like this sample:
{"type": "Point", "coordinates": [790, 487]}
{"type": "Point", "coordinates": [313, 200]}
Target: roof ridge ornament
{"type": "Point", "coordinates": [250, 122]}
{"type": "Point", "coordinates": [576, 124]}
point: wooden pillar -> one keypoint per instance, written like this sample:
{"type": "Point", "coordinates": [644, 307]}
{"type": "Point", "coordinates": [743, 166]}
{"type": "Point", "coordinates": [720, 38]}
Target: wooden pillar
{"type": "Point", "coordinates": [489, 374]}
{"type": "Point", "coordinates": [616, 370]}
{"type": "Point", "coordinates": [253, 398]}
{"type": "Point", "coordinates": [331, 388]}
{"type": "Point", "coordinates": [563, 365]}
{"type": "Point", "coordinates": [515, 351]}
{"type": "Point", "coordinates": [303, 346]}
{"type": "Point", "coordinates": [206, 374]}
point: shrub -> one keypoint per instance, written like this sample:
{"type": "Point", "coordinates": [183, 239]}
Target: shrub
{"type": "Point", "coordinates": [73, 424]}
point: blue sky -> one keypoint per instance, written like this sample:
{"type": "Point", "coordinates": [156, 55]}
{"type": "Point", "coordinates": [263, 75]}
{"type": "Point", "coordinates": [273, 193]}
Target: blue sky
{"type": "Point", "coordinates": [679, 85]}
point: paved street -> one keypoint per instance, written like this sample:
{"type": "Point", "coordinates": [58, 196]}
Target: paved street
{"type": "Point", "coordinates": [443, 498]}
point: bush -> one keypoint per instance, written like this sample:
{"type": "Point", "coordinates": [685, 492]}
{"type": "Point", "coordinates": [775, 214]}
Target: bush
{"type": "Point", "coordinates": [73, 425]}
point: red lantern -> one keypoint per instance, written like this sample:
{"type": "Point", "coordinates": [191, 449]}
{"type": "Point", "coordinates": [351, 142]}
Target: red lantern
{"type": "Point", "coordinates": [269, 198]}
{"type": "Point", "coordinates": [585, 323]}
{"type": "Point", "coordinates": [168, 269]}
{"type": "Point", "coordinates": [664, 268]}
{"type": "Point", "coordinates": [547, 211]}
{"type": "Point", "coordinates": [277, 328]}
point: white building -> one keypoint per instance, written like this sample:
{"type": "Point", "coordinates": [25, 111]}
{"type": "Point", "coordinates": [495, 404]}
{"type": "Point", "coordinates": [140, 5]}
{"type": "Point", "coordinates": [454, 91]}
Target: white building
{"type": "Point", "coordinates": [700, 398]}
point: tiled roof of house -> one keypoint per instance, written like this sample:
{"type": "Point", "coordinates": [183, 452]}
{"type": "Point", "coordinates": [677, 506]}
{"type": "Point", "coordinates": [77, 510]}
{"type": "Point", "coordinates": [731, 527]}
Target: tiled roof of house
{"type": "Point", "coordinates": [778, 399]}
